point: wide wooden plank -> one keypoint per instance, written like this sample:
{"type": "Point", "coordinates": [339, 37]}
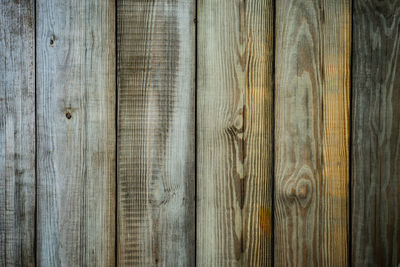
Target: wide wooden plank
{"type": "Point", "coordinates": [17, 133]}
{"type": "Point", "coordinates": [312, 132]}
{"type": "Point", "coordinates": [156, 185]}
{"type": "Point", "coordinates": [376, 133]}
{"type": "Point", "coordinates": [235, 113]}
{"type": "Point", "coordinates": [76, 132]}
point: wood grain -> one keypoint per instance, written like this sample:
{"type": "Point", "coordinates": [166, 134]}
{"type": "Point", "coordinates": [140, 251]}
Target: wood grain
{"type": "Point", "coordinates": [156, 185]}
{"type": "Point", "coordinates": [312, 132]}
{"type": "Point", "coordinates": [76, 132]}
{"type": "Point", "coordinates": [376, 134]}
{"type": "Point", "coordinates": [235, 113]}
{"type": "Point", "coordinates": [17, 133]}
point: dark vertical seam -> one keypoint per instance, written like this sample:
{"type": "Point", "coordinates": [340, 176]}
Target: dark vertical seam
{"type": "Point", "coordinates": [195, 128]}
{"type": "Point", "coordinates": [322, 141]}
{"type": "Point", "coordinates": [84, 219]}
{"type": "Point", "coordinates": [35, 237]}
{"type": "Point", "coordinates": [350, 123]}
{"type": "Point", "coordinates": [116, 135]}
{"type": "Point", "coordinates": [273, 132]}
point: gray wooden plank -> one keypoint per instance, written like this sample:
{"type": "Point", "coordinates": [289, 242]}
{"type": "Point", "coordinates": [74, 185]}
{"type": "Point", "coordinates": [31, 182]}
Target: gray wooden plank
{"type": "Point", "coordinates": [235, 118]}
{"type": "Point", "coordinates": [376, 133]}
{"type": "Point", "coordinates": [76, 132]}
{"type": "Point", "coordinates": [312, 132]}
{"type": "Point", "coordinates": [156, 186]}
{"type": "Point", "coordinates": [17, 133]}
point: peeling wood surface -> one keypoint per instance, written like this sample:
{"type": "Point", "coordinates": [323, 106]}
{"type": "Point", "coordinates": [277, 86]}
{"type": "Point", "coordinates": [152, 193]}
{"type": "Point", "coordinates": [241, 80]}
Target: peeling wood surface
{"type": "Point", "coordinates": [312, 132]}
{"type": "Point", "coordinates": [17, 131]}
{"type": "Point", "coordinates": [376, 133]}
{"type": "Point", "coordinates": [75, 132]}
{"type": "Point", "coordinates": [156, 167]}
{"type": "Point", "coordinates": [234, 130]}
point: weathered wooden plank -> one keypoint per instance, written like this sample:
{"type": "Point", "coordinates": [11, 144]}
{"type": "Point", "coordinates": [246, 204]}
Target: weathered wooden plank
{"type": "Point", "coordinates": [312, 133]}
{"type": "Point", "coordinates": [17, 133]}
{"type": "Point", "coordinates": [376, 133]}
{"type": "Point", "coordinates": [234, 152]}
{"type": "Point", "coordinates": [76, 132]}
{"type": "Point", "coordinates": [156, 185]}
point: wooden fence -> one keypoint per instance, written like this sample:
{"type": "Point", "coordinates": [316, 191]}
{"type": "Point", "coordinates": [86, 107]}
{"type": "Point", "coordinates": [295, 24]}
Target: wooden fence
{"type": "Point", "coordinates": [208, 132]}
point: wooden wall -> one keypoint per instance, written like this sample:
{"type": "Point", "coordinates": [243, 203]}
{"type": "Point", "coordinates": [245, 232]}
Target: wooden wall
{"type": "Point", "coordinates": [199, 133]}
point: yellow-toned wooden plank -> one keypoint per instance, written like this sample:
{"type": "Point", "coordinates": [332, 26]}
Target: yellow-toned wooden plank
{"type": "Point", "coordinates": [312, 132]}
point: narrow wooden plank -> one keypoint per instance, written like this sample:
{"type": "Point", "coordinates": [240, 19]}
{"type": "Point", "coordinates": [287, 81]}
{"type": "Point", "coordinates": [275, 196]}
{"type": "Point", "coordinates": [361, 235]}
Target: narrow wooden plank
{"type": "Point", "coordinates": [235, 112]}
{"type": "Point", "coordinates": [17, 133]}
{"type": "Point", "coordinates": [312, 132]}
{"type": "Point", "coordinates": [156, 185]}
{"type": "Point", "coordinates": [76, 132]}
{"type": "Point", "coordinates": [376, 134]}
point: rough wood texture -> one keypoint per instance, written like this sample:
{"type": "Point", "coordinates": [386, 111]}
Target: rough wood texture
{"type": "Point", "coordinates": [17, 133]}
{"type": "Point", "coordinates": [76, 132]}
{"type": "Point", "coordinates": [156, 185]}
{"type": "Point", "coordinates": [376, 133]}
{"type": "Point", "coordinates": [312, 133]}
{"type": "Point", "coordinates": [235, 112]}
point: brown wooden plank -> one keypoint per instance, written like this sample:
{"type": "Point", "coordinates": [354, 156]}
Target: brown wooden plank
{"type": "Point", "coordinates": [312, 133]}
{"type": "Point", "coordinates": [156, 185]}
{"type": "Point", "coordinates": [235, 112]}
{"type": "Point", "coordinates": [76, 132]}
{"type": "Point", "coordinates": [376, 134]}
{"type": "Point", "coordinates": [17, 133]}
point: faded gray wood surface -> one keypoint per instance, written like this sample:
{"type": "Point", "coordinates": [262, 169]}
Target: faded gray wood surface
{"type": "Point", "coordinates": [376, 133]}
{"type": "Point", "coordinates": [76, 132]}
{"type": "Point", "coordinates": [156, 185]}
{"type": "Point", "coordinates": [17, 133]}
{"type": "Point", "coordinates": [235, 118]}
{"type": "Point", "coordinates": [90, 174]}
{"type": "Point", "coordinates": [312, 132]}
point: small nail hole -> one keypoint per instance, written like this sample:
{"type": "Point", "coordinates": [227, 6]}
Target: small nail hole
{"type": "Point", "coordinates": [68, 115]}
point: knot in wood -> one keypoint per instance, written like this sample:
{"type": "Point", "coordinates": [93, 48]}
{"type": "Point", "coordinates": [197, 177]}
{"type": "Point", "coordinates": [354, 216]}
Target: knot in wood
{"type": "Point", "coordinates": [302, 191]}
{"type": "Point", "coordinates": [68, 115]}
{"type": "Point", "coordinates": [52, 40]}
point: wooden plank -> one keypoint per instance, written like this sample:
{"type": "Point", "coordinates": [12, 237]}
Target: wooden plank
{"type": "Point", "coordinates": [17, 133]}
{"type": "Point", "coordinates": [76, 132]}
{"type": "Point", "coordinates": [156, 185]}
{"type": "Point", "coordinates": [235, 113]}
{"type": "Point", "coordinates": [312, 132]}
{"type": "Point", "coordinates": [376, 134]}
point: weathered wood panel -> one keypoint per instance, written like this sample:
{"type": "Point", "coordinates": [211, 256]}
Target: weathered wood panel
{"type": "Point", "coordinates": [312, 132]}
{"type": "Point", "coordinates": [235, 113]}
{"type": "Point", "coordinates": [156, 185]}
{"type": "Point", "coordinates": [376, 133]}
{"type": "Point", "coordinates": [17, 133]}
{"type": "Point", "coordinates": [76, 132]}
